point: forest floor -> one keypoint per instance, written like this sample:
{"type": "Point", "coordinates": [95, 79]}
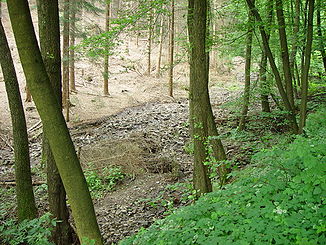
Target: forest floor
{"type": "Point", "coordinates": [138, 128]}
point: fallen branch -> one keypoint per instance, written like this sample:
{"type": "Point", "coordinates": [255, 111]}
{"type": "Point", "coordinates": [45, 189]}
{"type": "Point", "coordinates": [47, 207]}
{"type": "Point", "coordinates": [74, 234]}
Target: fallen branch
{"type": "Point", "coordinates": [7, 143]}
{"type": "Point", "coordinates": [35, 126]}
{"type": "Point", "coordinates": [13, 183]}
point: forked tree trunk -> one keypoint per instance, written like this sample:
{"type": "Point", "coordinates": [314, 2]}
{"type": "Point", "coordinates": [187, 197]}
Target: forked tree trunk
{"type": "Point", "coordinates": [304, 78]}
{"type": "Point", "coordinates": [171, 50]}
{"type": "Point", "coordinates": [72, 37]}
{"type": "Point", "coordinates": [54, 124]}
{"type": "Point", "coordinates": [278, 80]}
{"type": "Point", "coordinates": [246, 95]}
{"type": "Point", "coordinates": [49, 32]}
{"type": "Point", "coordinates": [65, 61]}
{"type": "Point", "coordinates": [106, 55]}
{"type": "Point", "coordinates": [26, 208]}
{"type": "Point", "coordinates": [285, 52]}
{"type": "Point", "coordinates": [264, 85]}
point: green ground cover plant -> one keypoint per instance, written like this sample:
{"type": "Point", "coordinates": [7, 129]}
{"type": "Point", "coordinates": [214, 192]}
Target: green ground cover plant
{"type": "Point", "coordinates": [279, 199]}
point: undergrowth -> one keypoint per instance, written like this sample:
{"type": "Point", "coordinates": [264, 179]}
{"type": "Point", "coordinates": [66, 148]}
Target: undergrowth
{"type": "Point", "coordinates": [280, 199]}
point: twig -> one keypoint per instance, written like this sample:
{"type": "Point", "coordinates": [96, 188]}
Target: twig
{"type": "Point", "coordinates": [36, 125]}
{"type": "Point", "coordinates": [4, 140]}
{"type": "Point", "coordinates": [13, 183]}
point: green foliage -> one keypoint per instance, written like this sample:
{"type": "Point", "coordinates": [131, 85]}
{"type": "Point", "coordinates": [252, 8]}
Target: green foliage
{"type": "Point", "coordinates": [280, 200]}
{"type": "Point", "coordinates": [105, 180]}
{"type": "Point", "coordinates": [31, 232]}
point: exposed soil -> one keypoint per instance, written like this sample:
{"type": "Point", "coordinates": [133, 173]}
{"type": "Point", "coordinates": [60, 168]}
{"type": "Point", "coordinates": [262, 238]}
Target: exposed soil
{"type": "Point", "coordinates": [137, 127]}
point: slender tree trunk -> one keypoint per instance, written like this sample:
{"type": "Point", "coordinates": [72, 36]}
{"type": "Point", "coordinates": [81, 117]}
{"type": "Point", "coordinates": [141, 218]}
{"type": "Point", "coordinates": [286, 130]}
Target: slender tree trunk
{"type": "Point", "coordinates": [289, 108]}
{"type": "Point", "coordinates": [53, 121]}
{"type": "Point", "coordinates": [159, 57]}
{"type": "Point", "coordinates": [320, 36]}
{"type": "Point", "coordinates": [26, 207]}
{"type": "Point", "coordinates": [65, 62]}
{"type": "Point", "coordinates": [72, 35]}
{"type": "Point", "coordinates": [264, 85]}
{"type": "Point", "coordinates": [246, 95]}
{"type": "Point", "coordinates": [304, 78]}
{"type": "Point", "coordinates": [106, 55]}
{"type": "Point", "coordinates": [284, 52]}
{"type": "Point", "coordinates": [198, 94]}
{"type": "Point", "coordinates": [171, 50]}
{"type": "Point", "coordinates": [293, 53]}
{"type": "Point", "coordinates": [149, 43]}
{"type": "Point", "coordinates": [49, 32]}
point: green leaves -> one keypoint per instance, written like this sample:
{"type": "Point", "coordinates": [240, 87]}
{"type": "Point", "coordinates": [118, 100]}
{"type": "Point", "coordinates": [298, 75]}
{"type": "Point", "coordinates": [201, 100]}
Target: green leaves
{"type": "Point", "coordinates": [277, 202]}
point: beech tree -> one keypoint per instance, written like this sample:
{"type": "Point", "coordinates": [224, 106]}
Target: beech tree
{"type": "Point", "coordinates": [49, 32]}
{"type": "Point", "coordinates": [54, 125]}
{"type": "Point", "coordinates": [202, 124]}
{"type": "Point", "coordinates": [26, 207]}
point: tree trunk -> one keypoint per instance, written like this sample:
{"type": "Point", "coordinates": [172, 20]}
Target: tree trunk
{"type": "Point", "coordinates": [289, 108]}
{"type": "Point", "coordinates": [304, 78]}
{"type": "Point", "coordinates": [246, 95]}
{"type": "Point", "coordinates": [26, 207]}
{"type": "Point", "coordinates": [320, 36]}
{"type": "Point", "coordinates": [285, 52]}
{"type": "Point", "coordinates": [49, 32]}
{"type": "Point", "coordinates": [198, 94]}
{"type": "Point", "coordinates": [53, 121]}
{"type": "Point", "coordinates": [72, 35]}
{"type": "Point", "coordinates": [159, 57]}
{"type": "Point", "coordinates": [106, 55]}
{"type": "Point", "coordinates": [149, 43]}
{"type": "Point", "coordinates": [296, 24]}
{"type": "Point", "coordinates": [65, 61]}
{"type": "Point", "coordinates": [171, 49]}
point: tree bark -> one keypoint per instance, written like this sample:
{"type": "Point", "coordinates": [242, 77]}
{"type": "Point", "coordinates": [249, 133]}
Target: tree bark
{"type": "Point", "coordinates": [285, 52]}
{"type": "Point", "coordinates": [106, 55]}
{"type": "Point", "coordinates": [306, 66]}
{"type": "Point", "coordinates": [149, 43]}
{"type": "Point", "coordinates": [320, 36]}
{"type": "Point", "coordinates": [198, 94]}
{"type": "Point", "coordinates": [171, 49]}
{"type": "Point", "coordinates": [246, 95]}
{"type": "Point", "coordinates": [26, 207]}
{"type": "Point", "coordinates": [65, 61]}
{"type": "Point", "coordinates": [72, 37]}
{"type": "Point", "coordinates": [278, 79]}
{"type": "Point", "coordinates": [49, 32]}
{"type": "Point", "coordinates": [159, 58]}
{"type": "Point", "coordinates": [54, 124]}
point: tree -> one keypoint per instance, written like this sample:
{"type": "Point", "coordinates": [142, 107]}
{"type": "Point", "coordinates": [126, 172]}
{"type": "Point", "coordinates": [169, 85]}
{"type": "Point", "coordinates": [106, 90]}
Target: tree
{"type": "Point", "coordinates": [171, 49]}
{"type": "Point", "coordinates": [65, 57]}
{"type": "Point", "coordinates": [276, 73]}
{"type": "Point", "coordinates": [284, 52]}
{"type": "Point", "coordinates": [306, 66]}
{"type": "Point", "coordinates": [26, 207]}
{"type": "Point", "coordinates": [246, 94]}
{"type": "Point", "coordinates": [320, 35]}
{"type": "Point", "coordinates": [106, 55]}
{"type": "Point", "coordinates": [198, 92]}
{"type": "Point", "coordinates": [72, 39]}
{"type": "Point", "coordinates": [159, 57]}
{"type": "Point", "coordinates": [49, 32]}
{"type": "Point", "coordinates": [53, 121]}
